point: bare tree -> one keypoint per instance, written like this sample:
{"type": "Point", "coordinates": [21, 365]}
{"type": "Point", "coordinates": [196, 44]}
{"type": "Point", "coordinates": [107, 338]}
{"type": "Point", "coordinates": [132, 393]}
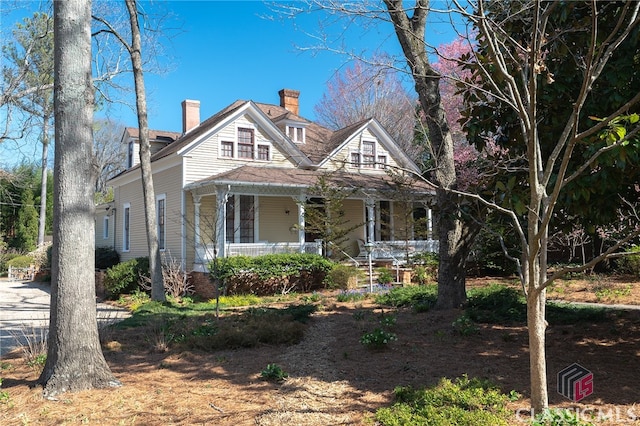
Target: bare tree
{"type": "Point", "coordinates": [108, 155]}
{"type": "Point", "coordinates": [368, 90]}
{"type": "Point", "coordinates": [134, 48]}
{"type": "Point", "coordinates": [74, 357]}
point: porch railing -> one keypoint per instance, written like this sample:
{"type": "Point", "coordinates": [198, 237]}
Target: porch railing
{"type": "Point", "coordinates": [205, 252]}
{"type": "Point", "coordinates": [398, 249]}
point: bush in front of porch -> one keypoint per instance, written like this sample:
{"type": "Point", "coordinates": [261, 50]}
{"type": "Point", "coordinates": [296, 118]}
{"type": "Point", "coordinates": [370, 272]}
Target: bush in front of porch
{"type": "Point", "coordinates": [270, 274]}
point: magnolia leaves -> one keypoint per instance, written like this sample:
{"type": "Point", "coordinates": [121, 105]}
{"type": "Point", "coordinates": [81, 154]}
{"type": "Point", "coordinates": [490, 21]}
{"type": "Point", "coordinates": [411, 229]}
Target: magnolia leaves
{"type": "Point", "coordinates": [617, 128]}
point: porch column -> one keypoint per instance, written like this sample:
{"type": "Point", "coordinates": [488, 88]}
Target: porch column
{"type": "Point", "coordinates": [196, 219]}
{"type": "Point", "coordinates": [301, 234]}
{"type": "Point", "coordinates": [370, 203]}
{"type": "Point", "coordinates": [222, 196]}
{"type": "Point", "coordinates": [429, 224]}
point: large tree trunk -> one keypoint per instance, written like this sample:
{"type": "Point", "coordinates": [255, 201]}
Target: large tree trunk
{"type": "Point", "coordinates": [155, 267]}
{"type": "Point", "coordinates": [74, 357]}
{"type": "Point", "coordinates": [43, 181]}
{"type": "Point", "coordinates": [454, 245]}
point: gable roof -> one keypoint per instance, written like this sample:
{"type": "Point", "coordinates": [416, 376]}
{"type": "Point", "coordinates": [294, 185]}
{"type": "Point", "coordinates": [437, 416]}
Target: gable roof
{"type": "Point", "coordinates": [319, 144]}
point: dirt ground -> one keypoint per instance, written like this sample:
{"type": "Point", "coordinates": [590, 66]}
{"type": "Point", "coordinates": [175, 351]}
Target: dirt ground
{"type": "Point", "coordinates": [335, 380]}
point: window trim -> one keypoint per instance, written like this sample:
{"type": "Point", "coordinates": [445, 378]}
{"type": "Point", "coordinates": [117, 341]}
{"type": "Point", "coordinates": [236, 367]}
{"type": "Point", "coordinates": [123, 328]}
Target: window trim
{"type": "Point", "coordinates": [292, 129]}
{"type": "Point", "coordinates": [126, 227]}
{"type": "Point", "coordinates": [162, 244]}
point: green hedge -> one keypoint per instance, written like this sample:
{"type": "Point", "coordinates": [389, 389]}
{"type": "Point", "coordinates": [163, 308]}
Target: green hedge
{"type": "Point", "coordinates": [270, 274]}
{"type": "Point", "coordinates": [123, 278]}
{"type": "Point", "coordinates": [23, 261]}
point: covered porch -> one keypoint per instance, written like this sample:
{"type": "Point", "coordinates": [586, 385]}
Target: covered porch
{"type": "Point", "coordinates": [252, 218]}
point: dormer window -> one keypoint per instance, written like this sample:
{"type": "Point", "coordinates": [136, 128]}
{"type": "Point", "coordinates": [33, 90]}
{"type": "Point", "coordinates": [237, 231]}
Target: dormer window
{"type": "Point", "coordinates": [245, 147]}
{"type": "Point", "coordinates": [296, 133]}
{"type": "Point", "coordinates": [369, 156]}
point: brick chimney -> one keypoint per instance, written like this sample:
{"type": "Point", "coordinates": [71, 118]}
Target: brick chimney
{"type": "Point", "coordinates": [289, 100]}
{"type": "Point", "coordinates": [190, 115]}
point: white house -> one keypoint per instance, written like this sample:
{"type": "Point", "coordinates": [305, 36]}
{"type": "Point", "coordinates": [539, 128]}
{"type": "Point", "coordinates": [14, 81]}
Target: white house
{"type": "Point", "coordinates": [237, 183]}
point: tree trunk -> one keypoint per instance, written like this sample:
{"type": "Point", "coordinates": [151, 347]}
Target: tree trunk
{"type": "Point", "coordinates": [74, 357]}
{"type": "Point", "coordinates": [43, 181]}
{"type": "Point", "coordinates": [536, 323]}
{"type": "Point", "coordinates": [155, 267]}
{"type": "Point", "coordinates": [453, 246]}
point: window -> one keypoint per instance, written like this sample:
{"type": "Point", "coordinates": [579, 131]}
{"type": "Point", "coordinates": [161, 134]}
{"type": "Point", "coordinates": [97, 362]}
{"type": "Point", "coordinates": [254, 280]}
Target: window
{"type": "Point", "coordinates": [130, 155]}
{"type": "Point", "coordinates": [126, 235]}
{"type": "Point", "coordinates": [355, 159]}
{"type": "Point", "coordinates": [263, 152]}
{"type": "Point", "coordinates": [368, 154]}
{"type": "Point", "coordinates": [245, 143]}
{"type": "Point", "coordinates": [105, 227]}
{"type": "Point", "coordinates": [161, 212]}
{"type": "Point", "coordinates": [382, 161]}
{"type": "Point", "coordinates": [227, 149]}
{"type": "Point", "coordinates": [296, 134]}
{"type": "Point", "coordinates": [240, 219]}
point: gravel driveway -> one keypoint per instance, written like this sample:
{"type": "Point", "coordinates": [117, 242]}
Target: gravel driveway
{"type": "Point", "coordinates": [24, 308]}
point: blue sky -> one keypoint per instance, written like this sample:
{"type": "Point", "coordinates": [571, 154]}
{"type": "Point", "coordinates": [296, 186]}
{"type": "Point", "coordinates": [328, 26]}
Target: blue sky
{"type": "Point", "coordinates": [227, 50]}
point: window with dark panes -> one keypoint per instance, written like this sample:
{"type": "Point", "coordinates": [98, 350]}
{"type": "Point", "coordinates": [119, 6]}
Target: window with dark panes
{"type": "Point", "coordinates": [227, 149]}
{"type": "Point", "coordinates": [368, 154]}
{"type": "Point", "coordinates": [355, 159]}
{"type": "Point", "coordinates": [245, 143]}
{"type": "Point", "coordinates": [263, 152]}
{"type": "Point", "coordinates": [247, 219]}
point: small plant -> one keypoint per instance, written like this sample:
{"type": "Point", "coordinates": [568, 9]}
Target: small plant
{"type": "Point", "coordinates": [384, 276]}
{"type": "Point", "coordinates": [388, 320]}
{"type": "Point", "coordinates": [464, 326]}
{"type": "Point", "coordinates": [350, 296]}
{"type": "Point", "coordinates": [238, 300]}
{"type": "Point", "coordinates": [610, 291]}
{"type": "Point", "coordinates": [34, 351]}
{"type": "Point", "coordinates": [313, 297]}
{"type": "Point", "coordinates": [273, 373]}
{"type": "Point", "coordinates": [378, 338]}
{"type": "Point", "coordinates": [38, 361]}
{"type": "Point", "coordinates": [4, 397]}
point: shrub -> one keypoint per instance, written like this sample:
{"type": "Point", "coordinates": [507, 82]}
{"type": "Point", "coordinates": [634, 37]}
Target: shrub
{"type": "Point", "coordinates": [420, 298]}
{"type": "Point", "coordinates": [342, 277]}
{"type": "Point", "coordinates": [630, 264]}
{"type": "Point", "coordinates": [124, 277]}
{"type": "Point", "coordinates": [384, 276]}
{"type": "Point", "coordinates": [106, 257]}
{"type": "Point", "coordinates": [271, 274]}
{"type": "Point", "coordinates": [5, 257]}
{"type": "Point", "coordinates": [23, 261]}
{"type": "Point", "coordinates": [463, 401]}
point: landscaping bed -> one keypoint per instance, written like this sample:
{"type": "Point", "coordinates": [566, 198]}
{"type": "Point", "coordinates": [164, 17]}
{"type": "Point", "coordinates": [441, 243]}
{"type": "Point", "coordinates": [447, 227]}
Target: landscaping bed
{"type": "Point", "coordinates": [333, 377]}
